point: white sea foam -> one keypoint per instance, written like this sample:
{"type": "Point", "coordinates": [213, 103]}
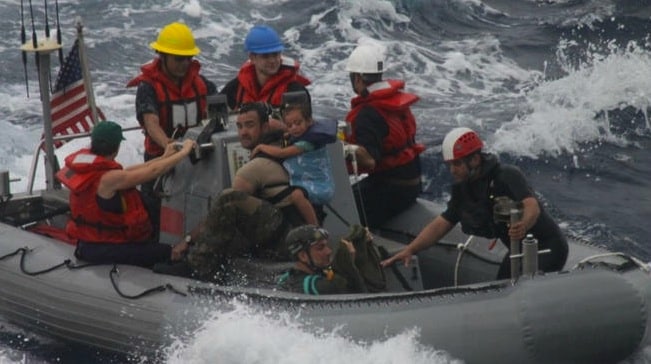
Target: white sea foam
{"type": "Point", "coordinates": [12, 358]}
{"type": "Point", "coordinates": [249, 336]}
{"type": "Point", "coordinates": [562, 114]}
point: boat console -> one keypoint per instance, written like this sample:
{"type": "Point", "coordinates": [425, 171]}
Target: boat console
{"type": "Point", "coordinates": [23, 210]}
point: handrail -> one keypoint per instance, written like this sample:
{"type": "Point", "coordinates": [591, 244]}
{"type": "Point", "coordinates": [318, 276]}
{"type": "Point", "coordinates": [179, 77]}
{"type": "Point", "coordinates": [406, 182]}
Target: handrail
{"type": "Point", "coordinates": [68, 137]}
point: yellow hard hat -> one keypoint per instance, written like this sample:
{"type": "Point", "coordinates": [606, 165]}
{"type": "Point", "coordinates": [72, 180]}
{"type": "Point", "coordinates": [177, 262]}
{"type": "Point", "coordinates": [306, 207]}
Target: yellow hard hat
{"type": "Point", "coordinates": [177, 39]}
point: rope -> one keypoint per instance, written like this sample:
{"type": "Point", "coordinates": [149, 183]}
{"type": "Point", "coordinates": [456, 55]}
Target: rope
{"type": "Point", "coordinates": [68, 264]}
{"type": "Point", "coordinates": [12, 254]}
{"type": "Point", "coordinates": [162, 288]}
{"type": "Point", "coordinates": [462, 248]}
{"type": "Point", "coordinates": [47, 270]}
{"type": "Point", "coordinates": [23, 253]}
{"type": "Point", "coordinates": [341, 218]}
{"type": "Point", "coordinates": [351, 149]}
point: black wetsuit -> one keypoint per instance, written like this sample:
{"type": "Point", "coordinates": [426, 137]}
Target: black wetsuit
{"type": "Point", "coordinates": [472, 203]}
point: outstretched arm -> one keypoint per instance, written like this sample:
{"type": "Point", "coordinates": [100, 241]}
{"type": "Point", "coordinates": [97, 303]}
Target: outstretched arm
{"type": "Point", "coordinates": [432, 233]}
{"type": "Point", "coordinates": [117, 179]}
{"type": "Point", "coordinates": [169, 150]}
{"type": "Point", "coordinates": [277, 152]}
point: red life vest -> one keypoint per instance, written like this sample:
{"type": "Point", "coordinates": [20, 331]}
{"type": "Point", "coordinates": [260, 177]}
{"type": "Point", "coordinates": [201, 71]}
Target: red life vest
{"type": "Point", "coordinates": [81, 174]}
{"type": "Point", "coordinates": [272, 92]}
{"type": "Point", "coordinates": [399, 147]}
{"type": "Point", "coordinates": [189, 101]}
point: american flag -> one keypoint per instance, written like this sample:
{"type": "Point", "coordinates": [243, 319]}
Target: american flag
{"type": "Point", "coordinates": [69, 105]}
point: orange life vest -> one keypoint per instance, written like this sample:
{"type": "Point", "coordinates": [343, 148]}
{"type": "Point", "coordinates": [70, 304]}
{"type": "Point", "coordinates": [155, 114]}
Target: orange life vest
{"type": "Point", "coordinates": [272, 92]}
{"type": "Point", "coordinates": [399, 147]}
{"type": "Point", "coordinates": [81, 174]}
{"type": "Point", "coordinates": [180, 108]}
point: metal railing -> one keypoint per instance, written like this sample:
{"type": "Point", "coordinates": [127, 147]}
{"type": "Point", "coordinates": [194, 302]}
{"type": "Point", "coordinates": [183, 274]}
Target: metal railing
{"type": "Point", "coordinates": [60, 138]}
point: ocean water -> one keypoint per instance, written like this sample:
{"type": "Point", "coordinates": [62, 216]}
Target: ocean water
{"type": "Point", "coordinates": [560, 88]}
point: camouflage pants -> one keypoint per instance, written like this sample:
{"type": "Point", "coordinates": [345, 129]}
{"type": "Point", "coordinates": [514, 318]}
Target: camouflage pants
{"type": "Point", "coordinates": [237, 225]}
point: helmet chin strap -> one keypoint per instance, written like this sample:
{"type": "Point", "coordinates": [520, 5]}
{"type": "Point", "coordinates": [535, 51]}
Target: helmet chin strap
{"type": "Point", "coordinates": [310, 264]}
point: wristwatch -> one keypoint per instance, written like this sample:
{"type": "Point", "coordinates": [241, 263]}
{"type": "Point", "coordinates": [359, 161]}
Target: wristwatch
{"type": "Point", "coordinates": [188, 239]}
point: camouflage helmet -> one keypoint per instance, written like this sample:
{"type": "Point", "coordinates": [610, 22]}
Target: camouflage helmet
{"type": "Point", "coordinates": [302, 237]}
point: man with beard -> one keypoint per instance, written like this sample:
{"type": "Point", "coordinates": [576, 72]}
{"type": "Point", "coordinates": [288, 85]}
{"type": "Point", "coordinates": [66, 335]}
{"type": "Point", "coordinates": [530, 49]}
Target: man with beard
{"type": "Point", "coordinates": [481, 182]}
{"type": "Point", "coordinates": [250, 219]}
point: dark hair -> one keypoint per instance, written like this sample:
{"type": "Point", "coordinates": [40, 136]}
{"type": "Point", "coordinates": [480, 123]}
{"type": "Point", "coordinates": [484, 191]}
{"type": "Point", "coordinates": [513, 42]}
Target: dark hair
{"type": "Point", "coordinates": [261, 108]}
{"type": "Point", "coordinates": [103, 147]}
{"type": "Point", "coordinates": [304, 108]}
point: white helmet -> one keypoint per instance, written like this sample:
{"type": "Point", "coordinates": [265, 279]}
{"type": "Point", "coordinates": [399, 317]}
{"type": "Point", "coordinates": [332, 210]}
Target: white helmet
{"type": "Point", "coordinates": [366, 58]}
{"type": "Point", "coordinates": [460, 143]}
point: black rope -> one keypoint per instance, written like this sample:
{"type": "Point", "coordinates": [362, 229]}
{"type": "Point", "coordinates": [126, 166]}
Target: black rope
{"type": "Point", "coordinates": [161, 288]}
{"type": "Point", "coordinates": [362, 211]}
{"type": "Point", "coordinates": [68, 264]}
{"type": "Point", "coordinates": [337, 214]}
{"type": "Point", "coordinates": [171, 288]}
{"type": "Point", "coordinates": [12, 254]}
{"type": "Point", "coordinates": [47, 270]}
{"type": "Point", "coordinates": [23, 253]}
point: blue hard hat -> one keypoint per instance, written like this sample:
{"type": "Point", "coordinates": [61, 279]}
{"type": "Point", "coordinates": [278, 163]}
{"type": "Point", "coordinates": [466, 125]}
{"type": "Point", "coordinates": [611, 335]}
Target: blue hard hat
{"type": "Point", "coordinates": [263, 39]}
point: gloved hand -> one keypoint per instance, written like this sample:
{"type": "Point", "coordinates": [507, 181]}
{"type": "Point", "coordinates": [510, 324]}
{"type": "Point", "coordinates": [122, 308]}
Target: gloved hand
{"type": "Point", "coordinates": [367, 259]}
{"type": "Point", "coordinates": [359, 236]}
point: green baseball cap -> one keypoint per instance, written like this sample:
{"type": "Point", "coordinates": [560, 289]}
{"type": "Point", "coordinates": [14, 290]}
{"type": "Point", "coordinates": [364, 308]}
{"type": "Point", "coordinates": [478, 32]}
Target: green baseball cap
{"type": "Point", "coordinates": [107, 131]}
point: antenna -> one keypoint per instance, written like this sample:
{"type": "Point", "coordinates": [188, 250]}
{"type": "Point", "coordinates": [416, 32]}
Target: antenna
{"type": "Point", "coordinates": [56, 8]}
{"type": "Point", "coordinates": [23, 39]}
{"type": "Point", "coordinates": [42, 53]}
{"type": "Point", "coordinates": [47, 33]}
{"type": "Point", "coordinates": [34, 40]}
{"type": "Point", "coordinates": [31, 12]}
{"type": "Point", "coordinates": [47, 23]}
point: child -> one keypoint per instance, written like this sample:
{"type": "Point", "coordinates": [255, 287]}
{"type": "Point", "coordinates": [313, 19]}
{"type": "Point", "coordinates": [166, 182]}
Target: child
{"type": "Point", "coordinates": [310, 172]}
{"type": "Point", "coordinates": [297, 121]}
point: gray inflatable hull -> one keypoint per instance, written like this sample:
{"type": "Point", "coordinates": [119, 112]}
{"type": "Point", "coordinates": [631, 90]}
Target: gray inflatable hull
{"type": "Point", "coordinates": [597, 312]}
{"type": "Point", "coordinates": [587, 315]}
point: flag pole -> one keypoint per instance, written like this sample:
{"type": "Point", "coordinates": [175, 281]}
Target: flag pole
{"type": "Point", "coordinates": [42, 51]}
{"type": "Point", "coordinates": [85, 73]}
